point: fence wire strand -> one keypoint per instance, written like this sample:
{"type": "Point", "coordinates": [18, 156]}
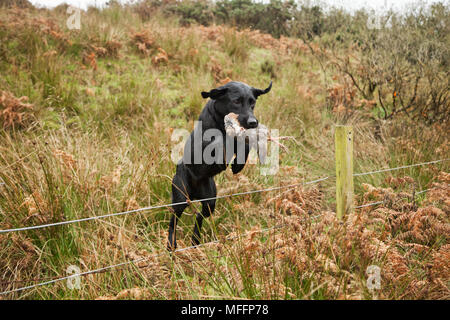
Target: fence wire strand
{"type": "Point", "coordinates": [206, 199]}
{"type": "Point", "coordinates": [118, 265]}
{"type": "Point", "coordinates": [160, 206]}
{"type": "Point", "coordinates": [398, 168]}
{"type": "Point", "coordinates": [384, 201]}
{"type": "Point", "coordinates": [104, 269]}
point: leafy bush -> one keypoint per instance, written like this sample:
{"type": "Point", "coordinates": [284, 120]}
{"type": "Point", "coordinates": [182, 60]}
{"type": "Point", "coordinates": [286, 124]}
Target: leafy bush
{"type": "Point", "coordinates": [145, 9]}
{"type": "Point", "coordinates": [16, 3]}
{"type": "Point", "coordinates": [272, 17]}
{"type": "Point", "coordinates": [403, 65]}
{"type": "Point", "coordinates": [192, 11]}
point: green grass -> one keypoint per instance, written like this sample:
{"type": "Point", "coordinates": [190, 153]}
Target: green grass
{"type": "Point", "coordinates": [122, 115]}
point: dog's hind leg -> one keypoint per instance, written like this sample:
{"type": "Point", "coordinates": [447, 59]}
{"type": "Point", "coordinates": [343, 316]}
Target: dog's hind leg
{"type": "Point", "coordinates": [178, 195]}
{"type": "Point", "coordinates": [208, 207]}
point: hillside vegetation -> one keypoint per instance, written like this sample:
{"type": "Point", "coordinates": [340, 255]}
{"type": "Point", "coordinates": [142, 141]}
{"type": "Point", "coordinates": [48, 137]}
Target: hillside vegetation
{"type": "Point", "coordinates": [86, 123]}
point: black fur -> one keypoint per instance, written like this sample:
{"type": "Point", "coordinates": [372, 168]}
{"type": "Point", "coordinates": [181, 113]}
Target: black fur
{"type": "Point", "coordinates": [196, 181]}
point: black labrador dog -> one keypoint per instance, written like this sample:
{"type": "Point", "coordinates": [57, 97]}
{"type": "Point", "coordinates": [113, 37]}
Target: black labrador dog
{"type": "Point", "coordinates": [194, 177]}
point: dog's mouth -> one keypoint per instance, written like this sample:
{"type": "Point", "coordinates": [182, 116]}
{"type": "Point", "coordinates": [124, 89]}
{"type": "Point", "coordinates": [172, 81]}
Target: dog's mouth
{"type": "Point", "coordinates": [252, 126]}
{"type": "Point", "coordinates": [249, 124]}
{"type": "Point", "coordinates": [244, 123]}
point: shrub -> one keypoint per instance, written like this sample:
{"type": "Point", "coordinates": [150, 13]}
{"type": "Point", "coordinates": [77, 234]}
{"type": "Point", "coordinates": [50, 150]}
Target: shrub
{"type": "Point", "coordinates": [145, 9]}
{"type": "Point", "coordinates": [404, 65]}
{"type": "Point", "coordinates": [192, 11]}
{"type": "Point", "coordinates": [16, 3]}
{"type": "Point", "coordinates": [272, 17]}
{"type": "Point", "coordinates": [14, 111]}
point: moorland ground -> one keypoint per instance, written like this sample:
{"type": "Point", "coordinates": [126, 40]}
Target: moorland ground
{"type": "Point", "coordinates": [87, 117]}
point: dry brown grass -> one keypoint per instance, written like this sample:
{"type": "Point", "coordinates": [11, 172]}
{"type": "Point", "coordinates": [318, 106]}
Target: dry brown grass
{"type": "Point", "coordinates": [112, 155]}
{"type": "Point", "coordinates": [14, 112]}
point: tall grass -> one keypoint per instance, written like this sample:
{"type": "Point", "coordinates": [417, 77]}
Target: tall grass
{"type": "Point", "coordinates": [101, 143]}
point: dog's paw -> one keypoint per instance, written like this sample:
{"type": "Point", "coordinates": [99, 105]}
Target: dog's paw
{"type": "Point", "coordinates": [171, 246]}
{"type": "Point", "coordinates": [236, 168]}
{"type": "Point", "coordinates": [195, 241]}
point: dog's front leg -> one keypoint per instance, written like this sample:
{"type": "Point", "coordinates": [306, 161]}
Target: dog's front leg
{"type": "Point", "coordinates": [242, 152]}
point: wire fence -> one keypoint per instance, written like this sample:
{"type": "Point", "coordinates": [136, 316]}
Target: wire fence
{"type": "Point", "coordinates": [206, 199]}
{"type": "Point", "coordinates": [50, 280]}
{"type": "Point", "coordinates": [160, 206]}
{"type": "Point", "coordinates": [399, 168]}
{"type": "Point", "coordinates": [122, 264]}
{"type": "Point", "coordinates": [107, 268]}
{"type": "Point", "coordinates": [385, 201]}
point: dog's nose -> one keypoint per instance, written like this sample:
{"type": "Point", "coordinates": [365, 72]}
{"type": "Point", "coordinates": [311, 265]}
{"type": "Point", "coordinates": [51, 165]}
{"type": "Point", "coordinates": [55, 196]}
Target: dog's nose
{"type": "Point", "coordinates": [252, 123]}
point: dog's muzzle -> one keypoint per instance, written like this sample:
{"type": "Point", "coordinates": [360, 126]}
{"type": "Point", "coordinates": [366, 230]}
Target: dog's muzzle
{"type": "Point", "coordinates": [252, 123]}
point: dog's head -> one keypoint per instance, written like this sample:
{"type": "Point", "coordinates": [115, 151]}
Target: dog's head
{"type": "Point", "coordinates": [239, 98]}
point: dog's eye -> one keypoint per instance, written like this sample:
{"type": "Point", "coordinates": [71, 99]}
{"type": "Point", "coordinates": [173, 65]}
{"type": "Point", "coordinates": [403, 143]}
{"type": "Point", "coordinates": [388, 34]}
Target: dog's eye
{"type": "Point", "coordinates": [237, 101]}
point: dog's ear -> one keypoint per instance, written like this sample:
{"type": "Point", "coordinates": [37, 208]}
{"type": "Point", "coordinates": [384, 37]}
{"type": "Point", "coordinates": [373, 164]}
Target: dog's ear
{"type": "Point", "coordinates": [214, 93]}
{"type": "Point", "coordinates": [258, 92]}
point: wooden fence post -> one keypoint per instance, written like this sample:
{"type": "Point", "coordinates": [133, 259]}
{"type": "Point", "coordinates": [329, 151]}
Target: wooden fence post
{"type": "Point", "coordinates": [344, 170]}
